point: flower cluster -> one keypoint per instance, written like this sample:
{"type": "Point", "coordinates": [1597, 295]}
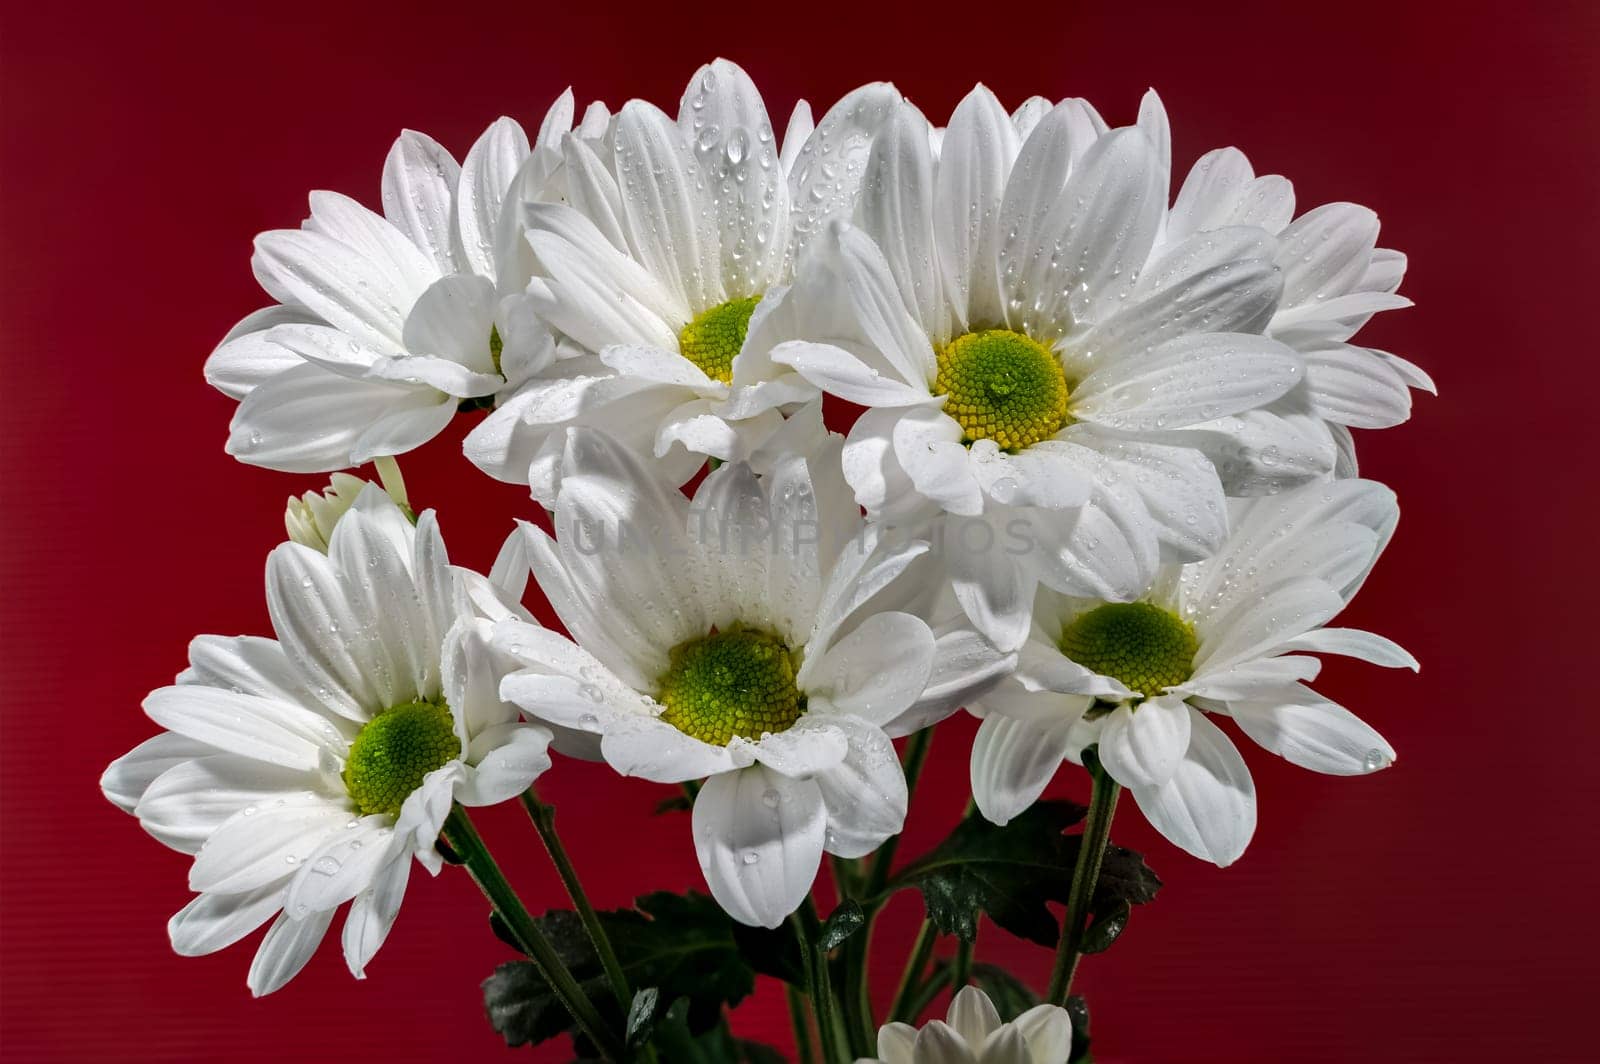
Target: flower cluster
{"type": "Point", "coordinates": [1101, 492]}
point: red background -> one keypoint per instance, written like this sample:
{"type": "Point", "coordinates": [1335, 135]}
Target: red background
{"type": "Point", "coordinates": [1443, 910]}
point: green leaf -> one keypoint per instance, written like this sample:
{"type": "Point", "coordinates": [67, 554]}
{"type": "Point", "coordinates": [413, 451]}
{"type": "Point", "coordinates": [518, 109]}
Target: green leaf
{"type": "Point", "coordinates": [843, 922]}
{"type": "Point", "coordinates": [678, 803]}
{"type": "Point", "coordinates": [642, 1015]}
{"type": "Point", "coordinates": [681, 945]}
{"type": "Point", "coordinates": [1010, 873]}
{"type": "Point", "coordinates": [679, 1045]}
{"type": "Point", "coordinates": [1106, 925]}
{"type": "Point", "coordinates": [1078, 1010]}
{"type": "Point", "coordinates": [772, 951]}
{"type": "Point", "coordinates": [1011, 996]}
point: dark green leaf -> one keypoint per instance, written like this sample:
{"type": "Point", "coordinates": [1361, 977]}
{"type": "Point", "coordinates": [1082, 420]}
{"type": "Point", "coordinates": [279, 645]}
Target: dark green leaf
{"type": "Point", "coordinates": [843, 922]}
{"type": "Point", "coordinates": [679, 1045]}
{"type": "Point", "coordinates": [502, 931]}
{"type": "Point", "coordinates": [1078, 1010]}
{"type": "Point", "coordinates": [642, 1015]}
{"type": "Point", "coordinates": [1011, 872]}
{"type": "Point", "coordinates": [678, 803]}
{"type": "Point", "coordinates": [772, 951]}
{"type": "Point", "coordinates": [681, 945]}
{"type": "Point", "coordinates": [1011, 996]}
{"type": "Point", "coordinates": [1106, 925]}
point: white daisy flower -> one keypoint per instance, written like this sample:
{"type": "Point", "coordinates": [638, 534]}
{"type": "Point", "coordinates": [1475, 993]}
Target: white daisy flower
{"type": "Point", "coordinates": [1222, 636]}
{"type": "Point", "coordinates": [971, 1033]}
{"type": "Point", "coordinates": [306, 771]}
{"type": "Point", "coordinates": [755, 639]}
{"type": "Point", "coordinates": [666, 270]}
{"type": "Point", "coordinates": [386, 324]}
{"type": "Point", "coordinates": [1335, 278]}
{"type": "Point", "coordinates": [1024, 369]}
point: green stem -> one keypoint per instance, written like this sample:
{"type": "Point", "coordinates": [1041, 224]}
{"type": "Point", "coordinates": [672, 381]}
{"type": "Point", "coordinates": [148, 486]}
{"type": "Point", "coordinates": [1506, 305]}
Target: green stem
{"type": "Point", "coordinates": [1085, 876]}
{"type": "Point", "coordinates": [466, 841]}
{"type": "Point", "coordinates": [802, 1025]}
{"type": "Point", "coordinates": [835, 1046]}
{"type": "Point", "coordinates": [961, 970]}
{"type": "Point", "coordinates": [544, 822]}
{"type": "Point", "coordinates": [921, 950]}
{"type": "Point", "coordinates": [929, 989]}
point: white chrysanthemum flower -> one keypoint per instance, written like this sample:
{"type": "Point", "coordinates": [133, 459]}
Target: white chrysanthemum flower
{"type": "Point", "coordinates": [310, 519]}
{"type": "Point", "coordinates": [755, 639]}
{"type": "Point", "coordinates": [971, 1033]}
{"type": "Point", "coordinates": [1025, 369]}
{"type": "Point", "coordinates": [1335, 278]}
{"type": "Point", "coordinates": [667, 268]}
{"type": "Point", "coordinates": [386, 324]}
{"type": "Point", "coordinates": [1221, 636]}
{"type": "Point", "coordinates": [307, 771]}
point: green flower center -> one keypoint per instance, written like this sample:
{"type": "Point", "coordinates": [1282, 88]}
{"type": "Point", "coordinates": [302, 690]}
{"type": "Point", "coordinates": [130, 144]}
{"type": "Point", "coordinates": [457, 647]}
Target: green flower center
{"type": "Point", "coordinates": [712, 339]}
{"type": "Point", "coordinates": [1002, 386]}
{"type": "Point", "coordinates": [739, 682]}
{"type": "Point", "coordinates": [1144, 646]}
{"type": "Point", "coordinates": [394, 751]}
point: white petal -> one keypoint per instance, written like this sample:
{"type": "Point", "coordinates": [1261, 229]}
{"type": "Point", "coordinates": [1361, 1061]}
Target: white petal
{"type": "Point", "coordinates": [1260, 626]}
{"type": "Point", "coordinates": [1356, 387]}
{"type": "Point", "coordinates": [211, 922]}
{"type": "Point", "coordinates": [927, 443]}
{"type": "Point", "coordinates": [419, 188]}
{"type": "Point", "coordinates": [191, 800]}
{"type": "Point", "coordinates": [1142, 746]}
{"type": "Point", "coordinates": [824, 174]}
{"type": "Point", "coordinates": [838, 372]}
{"type": "Point", "coordinates": [1354, 643]}
{"type": "Point", "coordinates": [273, 732]}
{"type": "Point", "coordinates": [1012, 763]}
{"type": "Point", "coordinates": [336, 282]}
{"type": "Point", "coordinates": [1048, 1030]}
{"type": "Point", "coordinates": [127, 778]}
{"type": "Point", "coordinates": [485, 176]}
{"type": "Point", "coordinates": [393, 641]}
{"type": "Point", "coordinates": [505, 762]}
{"type": "Point", "coordinates": [965, 665]}
{"type": "Point", "coordinates": [1325, 251]}
{"type": "Point", "coordinates": [1187, 381]}
{"type": "Point", "coordinates": [979, 147]}
{"type": "Point", "coordinates": [993, 585]}
{"type": "Point", "coordinates": [795, 133]}
{"type": "Point", "coordinates": [372, 915]}
{"type": "Point", "coordinates": [759, 837]}
{"type": "Point", "coordinates": [1208, 807]}
{"type": "Point", "coordinates": [343, 866]}
{"type": "Point", "coordinates": [666, 206]}
{"type": "Point", "coordinates": [312, 615]}
{"type": "Point", "coordinates": [938, 1043]}
{"type": "Point", "coordinates": [1306, 729]}
{"type": "Point", "coordinates": [285, 950]}
{"type": "Point", "coordinates": [973, 1015]}
{"type": "Point", "coordinates": [730, 136]}
{"type": "Point", "coordinates": [876, 671]}
{"type": "Point", "coordinates": [813, 745]}
{"type": "Point", "coordinates": [1179, 488]}
{"type": "Point", "coordinates": [309, 420]}
{"type": "Point", "coordinates": [260, 845]}
{"type": "Point", "coordinates": [453, 319]}
{"type": "Point", "coordinates": [656, 751]}
{"type": "Point", "coordinates": [865, 794]}
{"type": "Point", "coordinates": [245, 357]}
{"type": "Point", "coordinates": [896, 210]}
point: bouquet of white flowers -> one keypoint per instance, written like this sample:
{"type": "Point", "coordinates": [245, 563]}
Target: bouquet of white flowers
{"type": "Point", "coordinates": [1099, 489]}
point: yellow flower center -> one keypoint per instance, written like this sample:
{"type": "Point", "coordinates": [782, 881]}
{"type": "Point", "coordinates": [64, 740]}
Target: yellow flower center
{"type": "Point", "coordinates": [712, 339]}
{"type": "Point", "coordinates": [394, 751]}
{"type": "Point", "coordinates": [1146, 647]}
{"type": "Point", "coordinates": [739, 682]}
{"type": "Point", "coordinates": [1002, 386]}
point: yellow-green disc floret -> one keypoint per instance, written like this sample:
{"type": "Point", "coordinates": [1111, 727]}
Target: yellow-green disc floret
{"type": "Point", "coordinates": [712, 339]}
{"type": "Point", "coordinates": [394, 751]}
{"type": "Point", "coordinates": [1146, 647]}
{"type": "Point", "coordinates": [1002, 386]}
{"type": "Point", "coordinates": [738, 682]}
